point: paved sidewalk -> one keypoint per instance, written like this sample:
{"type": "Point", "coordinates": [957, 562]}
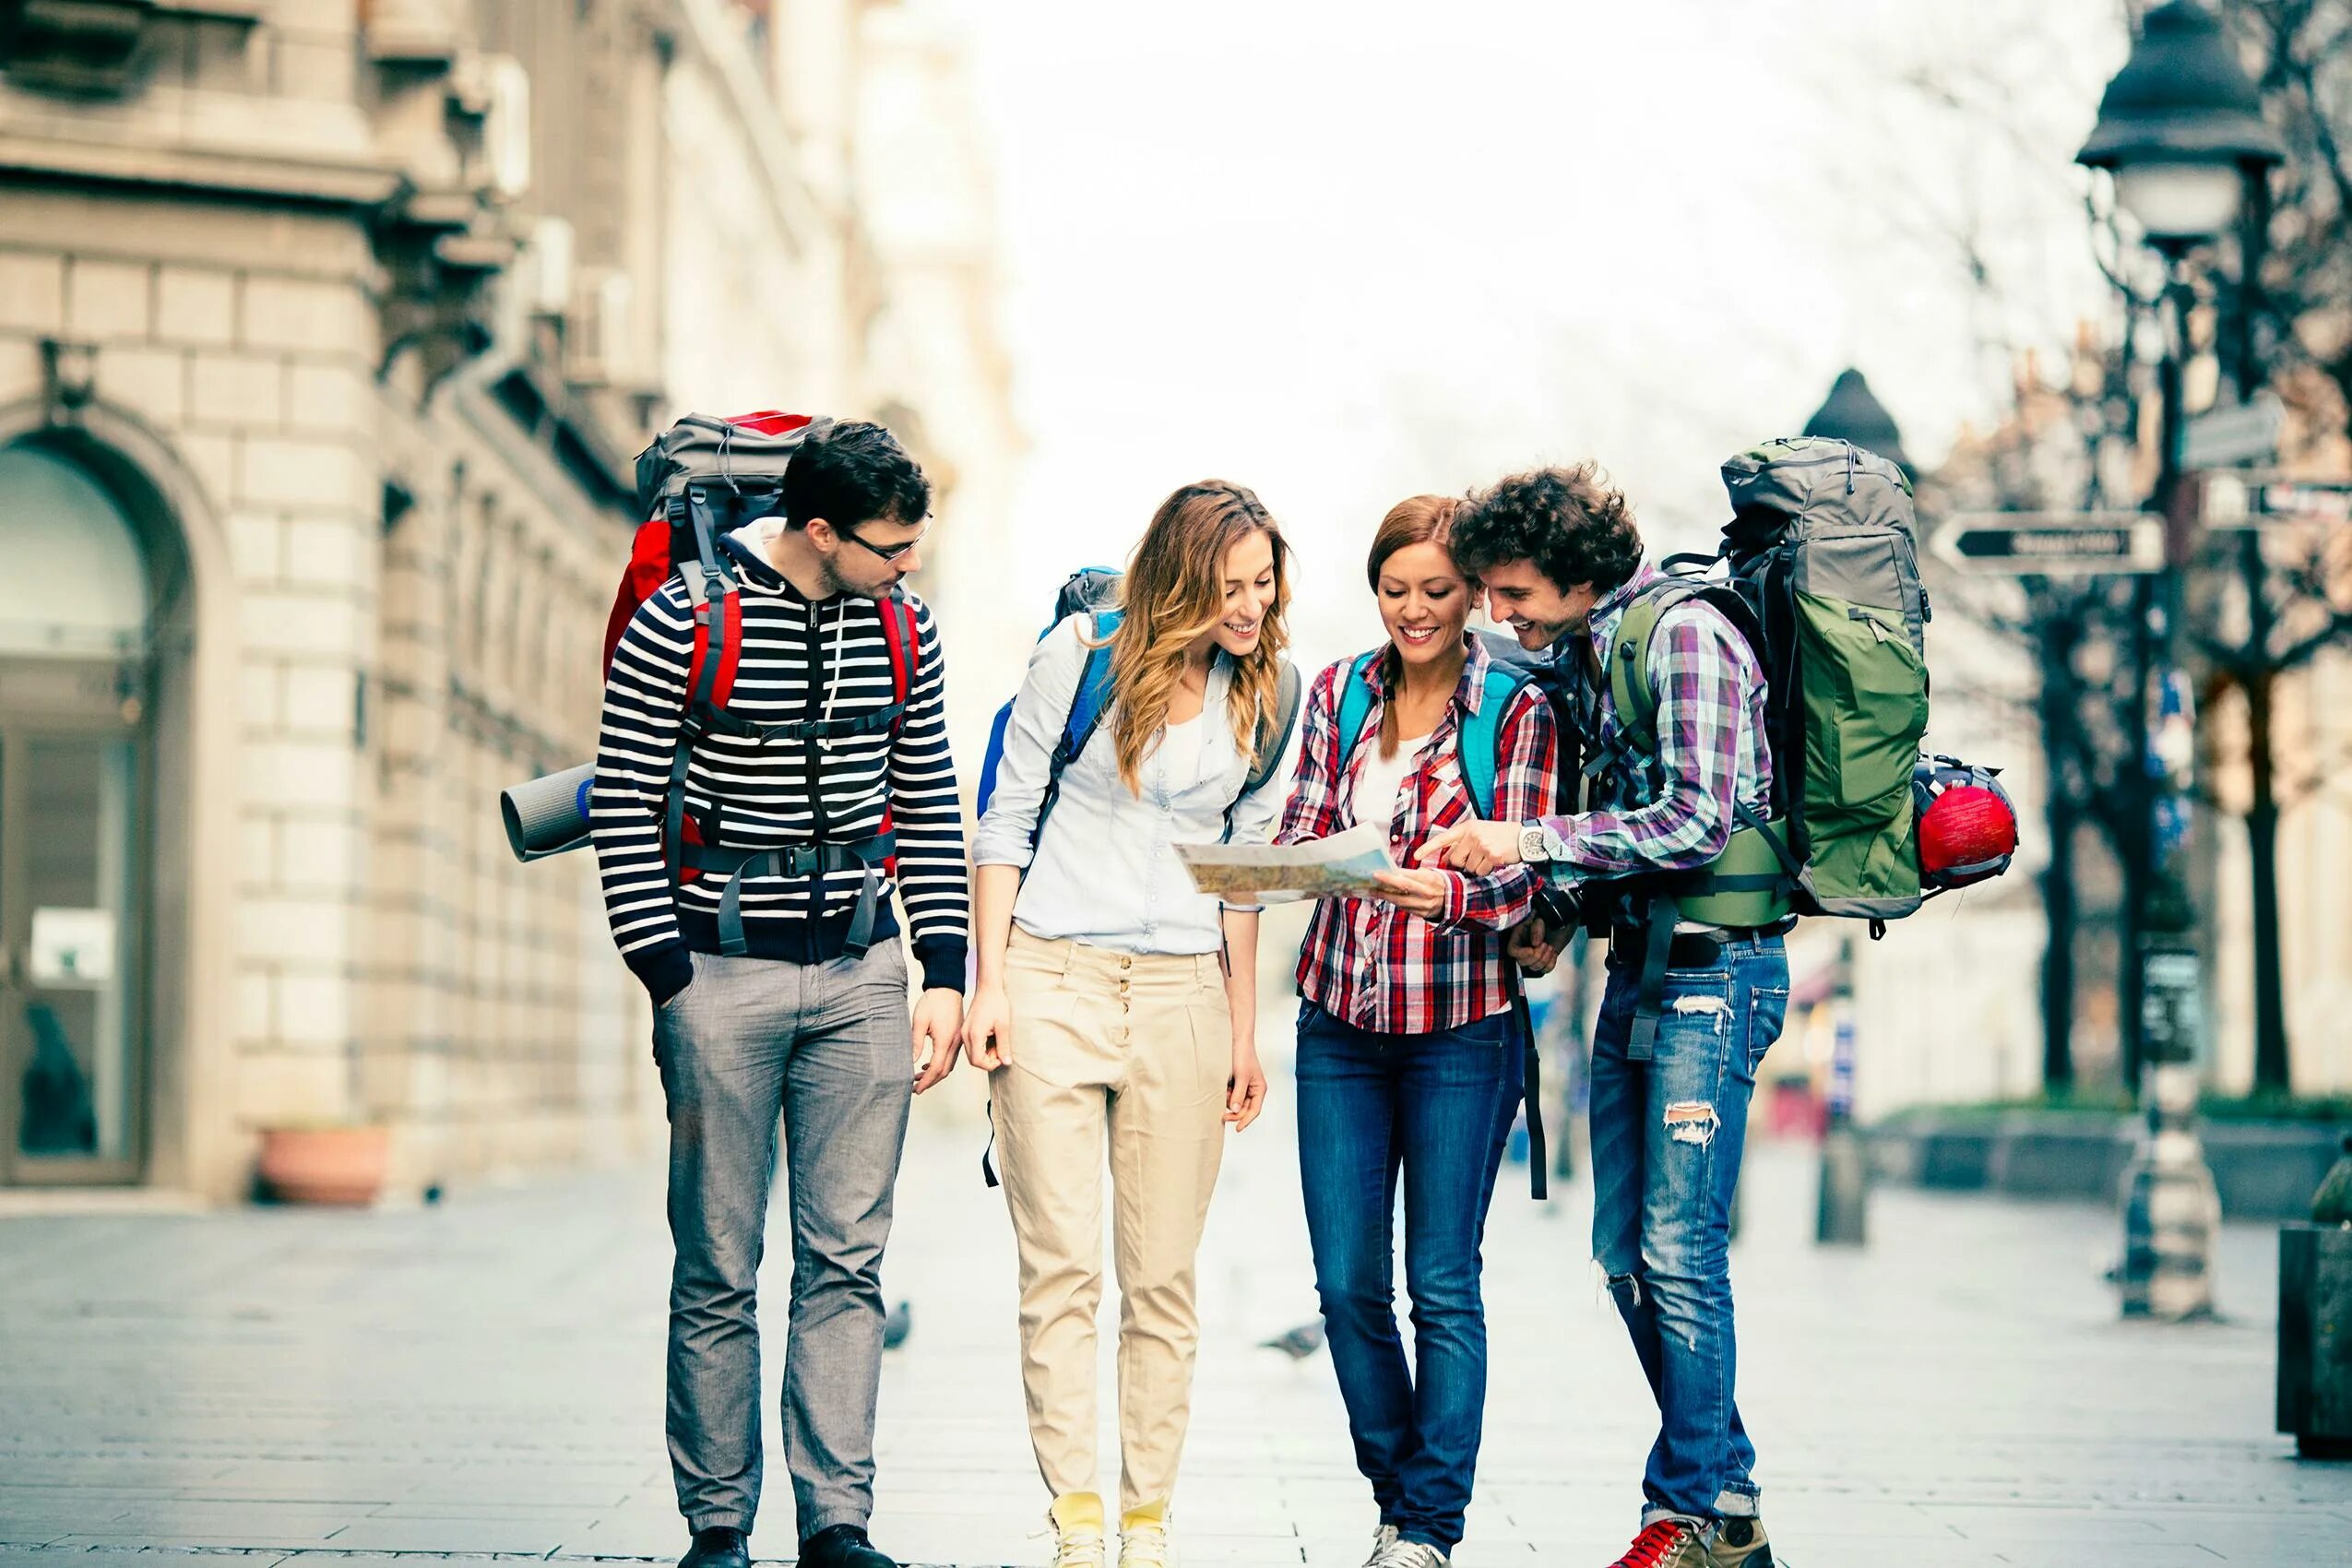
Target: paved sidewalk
{"type": "Point", "coordinates": [485, 1378]}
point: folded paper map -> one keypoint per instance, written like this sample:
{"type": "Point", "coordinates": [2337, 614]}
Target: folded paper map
{"type": "Point", "coordinates": [1345, 862]}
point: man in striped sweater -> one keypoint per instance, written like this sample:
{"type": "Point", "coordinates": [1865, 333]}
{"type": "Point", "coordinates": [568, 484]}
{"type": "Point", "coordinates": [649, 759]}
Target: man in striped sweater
{"type": "Point", "coordinates": [788, 998]}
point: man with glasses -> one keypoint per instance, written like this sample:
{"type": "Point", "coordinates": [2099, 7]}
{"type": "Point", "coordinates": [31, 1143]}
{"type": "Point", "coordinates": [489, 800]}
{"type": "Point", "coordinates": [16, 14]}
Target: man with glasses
{"type": "Point", "coordinates": [777, 976]}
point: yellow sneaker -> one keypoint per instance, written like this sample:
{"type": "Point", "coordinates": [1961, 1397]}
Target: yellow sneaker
{"type": "Point", "coordinates": [1076, 1517]}
{"type": "Point", "coordinates": [1143, 1537]}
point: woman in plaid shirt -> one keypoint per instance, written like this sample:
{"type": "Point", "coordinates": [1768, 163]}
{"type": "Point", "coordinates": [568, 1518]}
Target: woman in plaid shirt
{"type": "Point", "coordinates": [1409, 1054]}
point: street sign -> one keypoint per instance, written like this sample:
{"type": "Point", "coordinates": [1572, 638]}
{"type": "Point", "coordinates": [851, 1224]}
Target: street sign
{"type": "Point", "coordinates": [2053, 544]}
{"type": "Point", "coordinates": [2242, 433]}
{"type": "Point", "coordinates": [2260, 500]}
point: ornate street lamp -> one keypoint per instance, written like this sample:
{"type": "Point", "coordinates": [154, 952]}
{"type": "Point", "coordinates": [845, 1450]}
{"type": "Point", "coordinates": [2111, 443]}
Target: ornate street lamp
{"type": "Point", "coordinates": [1852, 413]}
{"type": "Point", "coordinates": [2181, 131]}
{"type": "Point", "coordinates": [2180, 128]}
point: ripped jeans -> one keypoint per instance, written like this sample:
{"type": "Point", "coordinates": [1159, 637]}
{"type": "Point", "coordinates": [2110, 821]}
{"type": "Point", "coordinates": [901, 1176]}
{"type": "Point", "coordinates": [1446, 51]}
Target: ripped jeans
{"type": "Point", "coordinates": [1666, 1136]}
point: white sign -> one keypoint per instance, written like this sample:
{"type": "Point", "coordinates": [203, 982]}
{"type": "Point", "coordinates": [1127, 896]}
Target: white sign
{"type": "Point", "coordinates": [73, 947]}
{"type": "Point", "coordinates": [2242, 433]}
{"type": "Point", "coordinates": [2049, 544]}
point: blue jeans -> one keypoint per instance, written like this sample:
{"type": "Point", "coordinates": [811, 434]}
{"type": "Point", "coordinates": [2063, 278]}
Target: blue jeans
{"type": "Point", "coordinates": [1437, 1108]}
{"type": "Point", "coordinates": [1666, 1136]}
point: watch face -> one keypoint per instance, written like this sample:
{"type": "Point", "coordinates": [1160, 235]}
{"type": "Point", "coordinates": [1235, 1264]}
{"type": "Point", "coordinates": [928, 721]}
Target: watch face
{"type": "Point", "coordinates": [1531, 843]}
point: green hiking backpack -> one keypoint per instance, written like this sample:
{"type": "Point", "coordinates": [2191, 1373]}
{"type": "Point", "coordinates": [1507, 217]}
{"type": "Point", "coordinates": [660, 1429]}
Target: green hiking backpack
{"type": "Point", "coordinates": [1823, 578]}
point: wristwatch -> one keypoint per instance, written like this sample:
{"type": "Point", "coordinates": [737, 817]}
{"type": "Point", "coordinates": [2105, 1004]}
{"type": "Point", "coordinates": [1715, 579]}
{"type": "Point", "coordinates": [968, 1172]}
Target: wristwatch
{"type": "Point", "coordinates": [1534, 844]}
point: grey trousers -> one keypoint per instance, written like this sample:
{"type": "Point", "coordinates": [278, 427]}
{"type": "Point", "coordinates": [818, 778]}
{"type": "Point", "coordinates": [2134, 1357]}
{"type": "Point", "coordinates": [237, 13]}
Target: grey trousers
{"type": "Point", "coordinates": [827, 1047]}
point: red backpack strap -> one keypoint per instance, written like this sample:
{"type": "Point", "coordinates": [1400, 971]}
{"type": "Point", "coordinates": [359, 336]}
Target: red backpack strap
{"type": "Point", "coordinates": [904, 641]}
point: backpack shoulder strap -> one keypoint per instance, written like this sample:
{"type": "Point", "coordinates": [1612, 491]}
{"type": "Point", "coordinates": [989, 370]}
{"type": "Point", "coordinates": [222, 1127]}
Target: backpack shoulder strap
{"type": "Point", "coordinates": [1479, 740]}
{"type": "Point", "coordinates": [1275, 729]}
{"type": "Point", "coordinates": [1630, 686]}
{"type": "Point", "coordinates": [1092, 697]}
{"type": "Point", "coordinates": [1088, 704]}
{"type": "Point", "coordinates": [713, 597]}
{"type": "Point", "coordinates": [904, 640]}
{"type": "Point", "coordinates": [1273, 740]}
{"type": "Point", "coordinates": [1629, 663]}
{"type": "Point", "coordinates": [1355, 704]}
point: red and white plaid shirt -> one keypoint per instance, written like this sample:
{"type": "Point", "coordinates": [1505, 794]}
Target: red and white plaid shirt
{"type": "Point", "coordinates": [1369, 963]}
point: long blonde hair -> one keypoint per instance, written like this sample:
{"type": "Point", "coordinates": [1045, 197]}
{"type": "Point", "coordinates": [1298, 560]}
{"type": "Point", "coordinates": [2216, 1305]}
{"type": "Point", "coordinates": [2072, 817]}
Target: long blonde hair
{"type": "Point", "coordinates": [1175, 595]}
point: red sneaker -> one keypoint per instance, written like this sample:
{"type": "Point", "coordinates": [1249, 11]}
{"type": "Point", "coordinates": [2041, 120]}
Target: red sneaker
{"type": "Point", "coordinates": [1670, 1543]}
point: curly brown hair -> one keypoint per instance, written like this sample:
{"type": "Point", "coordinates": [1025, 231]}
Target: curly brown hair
{"type": "Point", "coordinates": [1571, 522]}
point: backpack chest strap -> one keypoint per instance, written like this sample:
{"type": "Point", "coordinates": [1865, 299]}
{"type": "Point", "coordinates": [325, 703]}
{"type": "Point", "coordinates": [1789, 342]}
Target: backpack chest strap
{"type": "Point", "coordinates": [718, 721]}
{"type": "Point", "coordinates": [796, 862]}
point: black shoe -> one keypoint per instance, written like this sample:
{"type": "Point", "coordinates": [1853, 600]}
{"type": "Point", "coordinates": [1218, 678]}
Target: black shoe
{"type": "Point", "coordinates": [719, 1548]}
{"type": "Point", "coordinates": [842, 1546]}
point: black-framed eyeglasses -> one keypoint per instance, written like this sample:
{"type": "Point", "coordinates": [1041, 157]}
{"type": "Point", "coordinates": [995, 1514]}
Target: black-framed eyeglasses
{"type": "Point", "coordinates": [891, 554]}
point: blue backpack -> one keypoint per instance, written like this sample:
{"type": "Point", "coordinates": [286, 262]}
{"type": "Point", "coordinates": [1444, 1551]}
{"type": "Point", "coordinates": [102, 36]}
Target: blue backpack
{"type": "Point", "coordinates": [1478, 742]}
{"type": "Point", "coordinates": [1094, 590]}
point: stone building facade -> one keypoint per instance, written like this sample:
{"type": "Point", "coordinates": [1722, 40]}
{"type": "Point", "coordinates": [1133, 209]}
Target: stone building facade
{"type": "Point", "coordinates": [328, 330]}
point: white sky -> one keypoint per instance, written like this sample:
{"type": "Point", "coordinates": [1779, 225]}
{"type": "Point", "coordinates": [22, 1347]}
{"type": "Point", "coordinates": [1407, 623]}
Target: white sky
{"type": "Point", "coordinates": [1347, 253]}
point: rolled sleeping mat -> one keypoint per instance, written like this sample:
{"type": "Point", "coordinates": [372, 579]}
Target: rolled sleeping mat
{"type": "Point", "coordinates": [548, 816]}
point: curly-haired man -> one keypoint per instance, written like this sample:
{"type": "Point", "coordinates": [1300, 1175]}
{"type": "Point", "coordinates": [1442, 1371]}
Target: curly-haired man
{"type": "Point", "coordinates": [1673, 1060]}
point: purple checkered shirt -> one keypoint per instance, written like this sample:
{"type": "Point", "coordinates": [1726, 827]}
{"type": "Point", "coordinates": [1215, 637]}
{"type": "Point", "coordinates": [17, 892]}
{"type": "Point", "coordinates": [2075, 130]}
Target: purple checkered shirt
{"type": "Point", "coordinates": [1711, 747]}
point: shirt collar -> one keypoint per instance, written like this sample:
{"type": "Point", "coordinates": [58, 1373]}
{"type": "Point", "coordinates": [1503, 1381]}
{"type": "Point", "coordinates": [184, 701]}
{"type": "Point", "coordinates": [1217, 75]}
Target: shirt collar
{"type": "Point", "coordinates": [748, 546]}
{"type": "Point", "coordinates": [1609, 608]}
{"type": "Point", "coordinates": [1467, 694]}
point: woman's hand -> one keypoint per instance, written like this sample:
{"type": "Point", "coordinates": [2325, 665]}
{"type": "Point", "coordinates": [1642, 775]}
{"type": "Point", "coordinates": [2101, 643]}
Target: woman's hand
{"type": "Point", "coordinates": [988, 1028]}
{"type": "Point", "coordinates": [1245, 1090]}
{"type": "Point", "coordinates": [1418, 892]}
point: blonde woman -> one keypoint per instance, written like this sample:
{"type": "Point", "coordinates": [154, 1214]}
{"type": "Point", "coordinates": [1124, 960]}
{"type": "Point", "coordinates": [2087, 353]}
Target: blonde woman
{"type": "Point", "coordinates": [1112, 1004]}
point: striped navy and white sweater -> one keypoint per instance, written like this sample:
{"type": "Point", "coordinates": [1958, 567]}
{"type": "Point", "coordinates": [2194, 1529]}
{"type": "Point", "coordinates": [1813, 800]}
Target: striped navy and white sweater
{"type": "Point", "coordinates": [747, 795]}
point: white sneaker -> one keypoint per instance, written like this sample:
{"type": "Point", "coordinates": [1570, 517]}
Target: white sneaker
{"type": "Point", "coordinates": [1143, 1537]}
{"type": "Point", "coordinates": [1382, 1539]}
{"type": "Point", "coordinates": [1408, 1554]}
{"type": "Point", "coordinates": [1077, 1518]}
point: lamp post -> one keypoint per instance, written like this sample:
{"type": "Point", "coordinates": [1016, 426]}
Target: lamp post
{"type": "Point", "coordinates": [2181, 131]}
{"type": "Point", "coordinates": [1841, 1214]}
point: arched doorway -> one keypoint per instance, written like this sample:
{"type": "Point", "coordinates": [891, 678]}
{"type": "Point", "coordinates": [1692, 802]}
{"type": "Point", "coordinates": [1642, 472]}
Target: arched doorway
{"type": "Point", "coordinates": [78, 614]}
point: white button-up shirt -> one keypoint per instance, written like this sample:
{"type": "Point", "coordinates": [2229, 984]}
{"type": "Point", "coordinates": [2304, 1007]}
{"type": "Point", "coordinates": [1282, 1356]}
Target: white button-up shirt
{"type": "Point", "coordinates": [1106, 871]}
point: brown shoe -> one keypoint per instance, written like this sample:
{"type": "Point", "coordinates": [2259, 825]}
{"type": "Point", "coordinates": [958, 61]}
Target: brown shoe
{"type": "Point", "coordinates": [1740, 1543]}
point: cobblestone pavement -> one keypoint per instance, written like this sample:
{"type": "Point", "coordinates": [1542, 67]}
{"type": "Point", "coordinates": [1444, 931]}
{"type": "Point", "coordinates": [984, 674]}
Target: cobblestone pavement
{"type": "Point", "coordinates": [484, 1377]}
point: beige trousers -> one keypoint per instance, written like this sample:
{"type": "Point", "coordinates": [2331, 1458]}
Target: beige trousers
{"type": "Point", "coordinates": [1134, 1051]}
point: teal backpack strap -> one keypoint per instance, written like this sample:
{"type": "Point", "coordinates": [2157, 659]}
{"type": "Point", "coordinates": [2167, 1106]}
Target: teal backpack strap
{"type": "Point", "coordinates": [1480, 743]}
{"type": "Point", "coordinates": [1355, 704]}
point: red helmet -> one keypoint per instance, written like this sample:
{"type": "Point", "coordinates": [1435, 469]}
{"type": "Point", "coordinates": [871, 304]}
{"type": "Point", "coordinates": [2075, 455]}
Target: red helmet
{"type": "Point", "coordinates": [1967, 828]}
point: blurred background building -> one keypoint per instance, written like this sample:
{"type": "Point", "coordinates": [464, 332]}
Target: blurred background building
{"type": "Point", "coordinates": [328, 332]}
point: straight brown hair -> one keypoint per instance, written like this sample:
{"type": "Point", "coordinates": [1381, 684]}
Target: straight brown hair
{"type": "Point", "coordinates": [1417, 519]}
